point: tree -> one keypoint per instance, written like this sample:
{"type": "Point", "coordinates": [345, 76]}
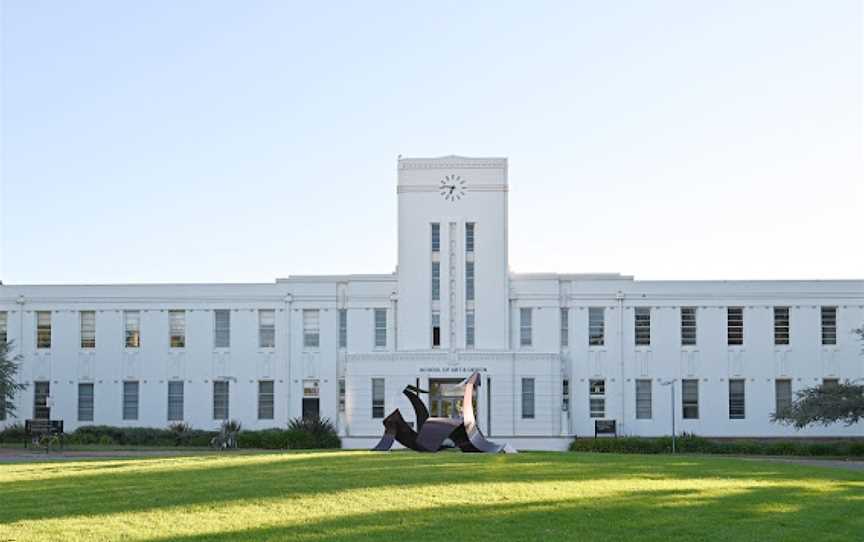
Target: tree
{"type": "Point", "coordinates": [826, 404]}
{"type": "Point", "coordinates": [9, 385]}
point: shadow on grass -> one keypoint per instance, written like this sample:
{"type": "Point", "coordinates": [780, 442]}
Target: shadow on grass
{"type": "Point", "coordinates": [200, 482]}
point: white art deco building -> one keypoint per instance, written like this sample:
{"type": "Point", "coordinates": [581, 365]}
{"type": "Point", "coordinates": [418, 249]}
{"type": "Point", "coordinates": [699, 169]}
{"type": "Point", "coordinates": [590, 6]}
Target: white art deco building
{"type": "Point", "coordinates": [556, 351]}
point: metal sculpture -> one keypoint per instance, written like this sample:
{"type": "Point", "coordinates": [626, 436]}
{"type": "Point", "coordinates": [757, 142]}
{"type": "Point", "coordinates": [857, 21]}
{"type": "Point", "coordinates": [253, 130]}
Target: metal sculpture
{"type": "Point", "coordinates": [432, 432]}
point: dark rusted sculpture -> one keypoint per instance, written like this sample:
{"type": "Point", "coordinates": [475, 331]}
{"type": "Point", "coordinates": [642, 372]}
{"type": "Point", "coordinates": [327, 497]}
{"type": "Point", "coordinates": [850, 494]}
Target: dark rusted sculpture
{"type": "Point", "coordinates": [432, 432]}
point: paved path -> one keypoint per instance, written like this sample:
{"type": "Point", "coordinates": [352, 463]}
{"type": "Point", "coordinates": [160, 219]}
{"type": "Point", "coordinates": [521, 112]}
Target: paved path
{"type": "Point", "coordinates": [21, 455]}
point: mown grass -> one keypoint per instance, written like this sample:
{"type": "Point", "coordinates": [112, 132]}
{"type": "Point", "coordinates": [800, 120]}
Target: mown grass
{"type": "Point", "coordinates": [406, 496]}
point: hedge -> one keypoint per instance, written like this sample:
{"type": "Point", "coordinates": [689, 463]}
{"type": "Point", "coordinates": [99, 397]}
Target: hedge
{"type": "Point", "coordinates": [688, 443]}
{"type": "Point", "coordinates": [300, 435]}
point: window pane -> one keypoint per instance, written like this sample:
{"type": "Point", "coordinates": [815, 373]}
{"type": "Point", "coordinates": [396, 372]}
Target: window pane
{"type": "Point", "coordinates": [265, 400]}
{"type": "Point", "coordinates": [688, 326]}
{"type": "Point", "coordinates": [528, 398]}
{"type": "Point", "coordinates": [41, 391]}
{"type": "Point", "coordinates": [436, 237]}
{"type": "Point", "coordinates": [177, 325]}
{"type": "Point", "coordinates": [380, 328]}
{"type": "Point", "coordinates": [565, 327]}
{"type": "Point", "coordinates": [735, 326]}
{"type": "Point", "coordinates": [690, 399]}
{"type": "Point", "coordinates": [220, 400]}
{"type": "Point", "coordinates": [133, 328]}
{"type": "Point", "coordinates": [469, 329]}
{"type": "Point", "coordinates": [222, 328]}
{"type": "Point", "coordinates": [175, 400]}
{"type": "Point", "coordinates": [642, 323]}
{"type": "Point", "coordinates": [469, 237]}
{"type": "Point", "coordinates": [596, 326]}
{"type": "Point", "coordinates": [781, 325]}
{"type": "Point", "coordinates": [469, 281]}
{"type": "Point", "coordinates": [130, 400]}
{"type": "Point", "coordinates": [436, 281]}
{"type": "Point", "coordinates": [829, 325]}
{"type": "Point", "coordinates": [43, 329]}
{"type": "Point", "coordinates": [377, 397]}
{"type": "Point", "coordinates": [643, 399]}
{"type": "Point", "coordinates": [736, 399]}
{"type": "Point", "coordinates": [782, 395]}
{"type": "Point", "coordinates": [525, 332]}
{"type": "Point", "coordinates": [267, 328]}
{"type": "Point", "coordinates": [311, 330]}
{"type": "Point", "coordinates": [343, 328]}
{"type": "Point", "coordinates": [88, 329]}
{"type": "Point", "coordinates": [4, 327]}
{"type": "Point", "coordinates": [85, 402]}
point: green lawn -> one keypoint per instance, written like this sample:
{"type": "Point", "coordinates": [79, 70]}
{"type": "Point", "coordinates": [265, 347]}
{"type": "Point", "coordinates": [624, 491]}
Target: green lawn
{"type": "Point", "coordinates": [449, 496]}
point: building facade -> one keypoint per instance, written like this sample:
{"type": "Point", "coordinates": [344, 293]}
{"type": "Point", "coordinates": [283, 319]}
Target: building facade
{"type": "Point", "coordinates": [556, 352]}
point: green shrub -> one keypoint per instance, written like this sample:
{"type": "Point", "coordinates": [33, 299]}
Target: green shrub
{"type": "Point", "coordinates": [139, 436]}
{"type": "Point", "coordinates": [689, 443]}
{"type": "Point", "coordinates": [13, 434]}
{"type": "Point", "coordinates": [312, 433]}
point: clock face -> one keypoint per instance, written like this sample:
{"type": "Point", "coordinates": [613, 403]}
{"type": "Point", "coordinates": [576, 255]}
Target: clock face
{"type": "Point", "coordinates": [452, 187]}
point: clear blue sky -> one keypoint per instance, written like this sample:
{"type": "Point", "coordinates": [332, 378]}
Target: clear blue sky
{"type": "Point", "coordinates": [168, 141]}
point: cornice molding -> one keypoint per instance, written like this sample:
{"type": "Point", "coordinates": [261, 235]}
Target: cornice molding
{"type": "Point", "coordinates": [460, 162]}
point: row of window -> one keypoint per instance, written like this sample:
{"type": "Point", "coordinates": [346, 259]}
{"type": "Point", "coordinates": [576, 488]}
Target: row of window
{"type": "Point", "coordinates": [221, 328]}
{"type": "Point", "coordinates": [643, 397]}
{"type": "Point", "coordinates": [469, 284]}
{"type": "Point", "coordinates": [469, 237]}
{"type": "Point", "coordinates": [642, 326]}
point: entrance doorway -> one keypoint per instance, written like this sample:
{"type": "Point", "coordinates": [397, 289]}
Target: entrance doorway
{"type": "Point", "coordinates": [445, 398]}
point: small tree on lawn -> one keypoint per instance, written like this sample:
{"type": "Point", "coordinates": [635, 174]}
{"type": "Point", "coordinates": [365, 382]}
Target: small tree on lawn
{"type": "Point", "coordinates": [826, 404]}
{"type": "Point", "coordinates": [9, 385]}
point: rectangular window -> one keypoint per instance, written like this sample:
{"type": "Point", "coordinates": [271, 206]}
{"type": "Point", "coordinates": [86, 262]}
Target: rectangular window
{"type": "Point", "coordinates": [782, 395]}
{"type": "Point", "coordinates": [4, 329]}
{"type": "Point", "coordinates": [377, 397]}
{"type": "Point", "coordinates": [130, 400]}
{"type": "Point", "coordinates": [436, 237]}
{"type": "Point", "coordinates": [265, 399]}
{"type": "Point", "coordinates": [565, 327]}
{"type": "Point", "coordinates": [177, 328]}
{"type": "Point", "coordinates": [781, 325]}
{"type": "Point", "coordinates": [736, 399]}
{"type": "Point", "coordinates": [220, 400]}
{"type": "Point", "coordinates": [267, 328]}
{"type": "Point", "coordinates": [88, 329]}
{"type": "Point", "coordinates": [341, 395]}
{"type": "Point", "coordinates": [343, 328]}
{"type": "Point", "coordinates": [436, 281]}
{"type": "Point", "coordinates": [469, 237]}
{"type": "Point", "coordinates": [85, 402]}
{"type": "Point", "coordinates": [828, 382]}
{"type": "Point", "coordinates": [222, 328]}
{"type": "Point", "coordinates": [596, 326]}
{"type": "Point", "coordinates": [829, 325]}
{"type": "Point", "coordinates": [597, 398]}
{"type": "Point", "coordinates": [380, 328]}
{"type": "Point", "coordinates": [525, 333]}
{"type": "Point", "coordinates": [565, 395]}
{"type": "Point", "coordinates": [735, 326]}
{"type": "Point", "coordinates": [527, 398]}
{"type": "Point", "coordinates": [469, 329]}
{"type": "Point", "coordinates": [688, 326]}
{"type": "Point", "coordinates": [690, 399]}
{"type": "Point", "coordinates": [436, 329]}
{"type": "Point", "coordinates": [642, 325]}
{"type": "Point", "coordinates": [132, 324]}
{"type": "Point", "coordinates": [175, 400]}
{"type": "Point", "coordinates": [311, 328]}
{"type": "Point", "coordinates": [41, 392]}
{"type": "Point", "coordinates": [43, 329]}
{"type": "Point", "coordinates": [643, 399]}
{"type": "Point", "coordinates": [469, 281]}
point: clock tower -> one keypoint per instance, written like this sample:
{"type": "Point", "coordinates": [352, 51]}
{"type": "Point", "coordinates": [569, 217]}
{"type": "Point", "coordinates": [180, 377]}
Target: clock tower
{"type": "Point", "coordinates": [453, 274]}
